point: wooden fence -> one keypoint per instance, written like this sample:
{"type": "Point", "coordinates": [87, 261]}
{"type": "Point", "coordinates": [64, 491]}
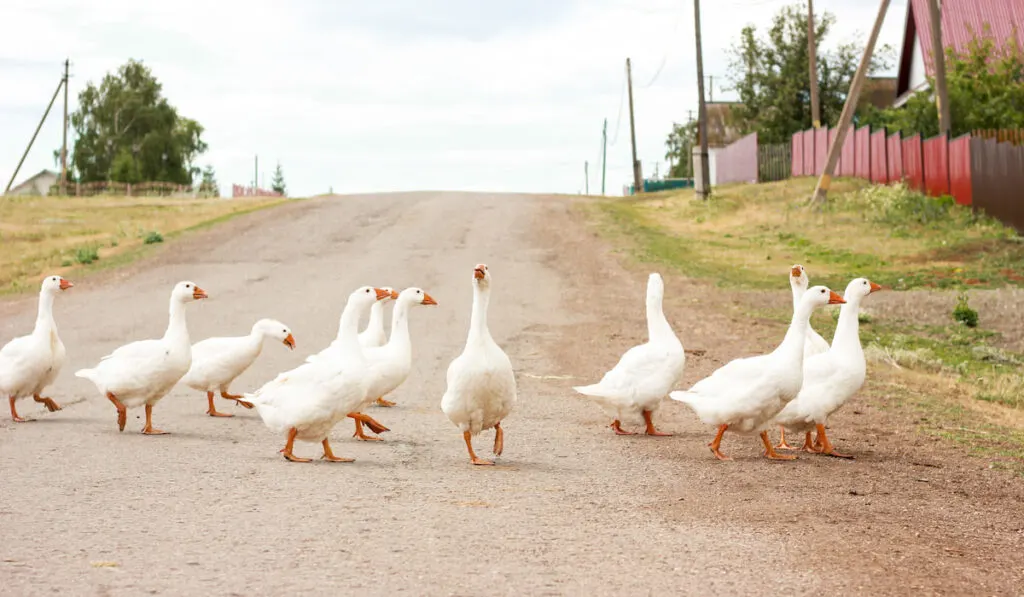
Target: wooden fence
{"type": "Point", "coordinates": [125, 189]}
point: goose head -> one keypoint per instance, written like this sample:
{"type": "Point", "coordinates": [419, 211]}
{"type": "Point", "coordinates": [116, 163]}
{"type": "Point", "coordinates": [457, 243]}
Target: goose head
{"type": "Point", "coordinates": [186, 291]}
{"type": "Point", "coordinates": [860, 288]}
{"type": "Point", "coordinates": [365, 296]}
{"type": "Point", "coordinates": [818, 296]}
{"type": "Point", "coordinates": [416, 296]}
{"type": "Point", "coordinates": [54, 284]}
{"type": "Point", "coordinates": [392, 294]}
{"type": "Point", "coordinates": [655, 288]}
{"type": "Point", "coordinates": [272, 328]}
{"type": "Point", "coordinates": [798, 277]}
{"type": "Point", "coordinates": [481, 275]}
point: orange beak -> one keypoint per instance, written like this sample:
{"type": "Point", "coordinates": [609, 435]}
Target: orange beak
{"type": "Point", "coordinates": [795, 271]}
{"type": "Point", "coordinates": [382, 294]}
{"type": "Point", "coordinates": [394, 295]}
{"type": "Point", "coordinates": [478, 272]}
{"type": "Point", "coordinates": [875, 287]}
{"type": "Point", "coordinates": [199, 293]}
{"type": "Point", "coordinates": [835, 299]}
{"type": "Point", "coordinates": [428, 300]}
{"type": "Point", "coordinates": [65, 284]}
{"type": "Point", "coordinates": [290, 342]}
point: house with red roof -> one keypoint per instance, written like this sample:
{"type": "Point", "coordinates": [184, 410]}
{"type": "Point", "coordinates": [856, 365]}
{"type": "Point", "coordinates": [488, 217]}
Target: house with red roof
{"type": "Point", "coordinates": [962, 21]}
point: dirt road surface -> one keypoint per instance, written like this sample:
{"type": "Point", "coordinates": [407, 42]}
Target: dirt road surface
{"type": "Point", "coordinates": [213, 508]}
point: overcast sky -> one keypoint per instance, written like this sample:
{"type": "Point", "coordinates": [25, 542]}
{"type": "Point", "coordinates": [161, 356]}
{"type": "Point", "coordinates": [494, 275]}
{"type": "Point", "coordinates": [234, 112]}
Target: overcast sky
{"type": "Point", "coordinates": [393, 95]}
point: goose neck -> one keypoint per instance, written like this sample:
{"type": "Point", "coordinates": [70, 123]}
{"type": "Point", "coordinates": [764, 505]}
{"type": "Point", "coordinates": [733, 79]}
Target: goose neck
{"type": "Point", "coordinates": [478, 318]}
{"type": "Point", "coordinates": [847, 337]}
{"type": "Point", "coordinates": [177, 327]}
{"type": "Point", "coordinates": [44, 317]}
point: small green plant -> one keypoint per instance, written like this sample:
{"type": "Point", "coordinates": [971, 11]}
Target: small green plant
{"type": "Point", "coordinates": [113, 242]}
{"type": "Point", "coordinates": [963, 313]}
{"type": "Point", "coordinates": [153, 238]}
{"type": "Point", "coordinates": [898, 204]}
{"type": "Point", "coordinates": [86, 255]}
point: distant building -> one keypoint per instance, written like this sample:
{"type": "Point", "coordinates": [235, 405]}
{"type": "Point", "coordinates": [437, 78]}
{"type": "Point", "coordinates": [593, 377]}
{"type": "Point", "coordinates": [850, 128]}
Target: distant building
{"type": "Point", "coordinates": [38, 184]}
{"type": "Point", "coordinates": [962, 21]}
{"type": "Point", "coordinates": [879, 92]}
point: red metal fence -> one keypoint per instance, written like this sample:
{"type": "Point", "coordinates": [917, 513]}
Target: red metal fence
{"type": "Point", "coordinates": [737, 162]}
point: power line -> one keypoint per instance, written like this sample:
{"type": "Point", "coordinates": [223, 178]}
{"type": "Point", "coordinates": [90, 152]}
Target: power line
{"type": "Point", "coordinates": [665, 54]}
{"type": "Point", "coordinates": [618, 118]}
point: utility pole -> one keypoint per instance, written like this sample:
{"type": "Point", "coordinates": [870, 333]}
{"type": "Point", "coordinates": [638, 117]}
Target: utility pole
{"type": "Point", "coordinates": [586, 176]}
{"type": "Point", "coordinates": [604, 152]}
{"type": "Point", "coordinates": [812, 59]}
{"type": "Point", "coordinates": [637, 184]}
{"type": "Point", "coordinates": [711, 88]}
{"type": "Point", "coordinates": [821, 190]}
{"type": "Point", "coordinates": [703, 190]}
{"type": "Point", "coordinates": [256, 174]}
{"type": "Point", "coordinates": [939, 56]}
{"type": "Point", "coordinates": [64, 144]}
{"type": "Point", "coordinates": [33, 140]}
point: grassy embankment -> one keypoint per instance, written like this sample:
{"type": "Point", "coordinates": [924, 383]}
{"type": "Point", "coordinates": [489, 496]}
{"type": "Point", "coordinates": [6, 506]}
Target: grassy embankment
{"type": "Point", "coordinates": [955, 376]}
{"type": "Point", "coordinates": [73, 235]}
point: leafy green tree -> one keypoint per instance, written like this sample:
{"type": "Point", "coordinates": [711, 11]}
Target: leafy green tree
{"type": "Point", "coordinates": [679, 149]}
{"type": "Point", "coordinates": [771, 77]}
{"type": "Point", "coordinates": [277, 183]}
{"type": "Point", "coordinates": [125, 130]}
{"type": "Point", "coordinates": [985, 83]}
{"type": "Point", "coordinates": [208, 187]}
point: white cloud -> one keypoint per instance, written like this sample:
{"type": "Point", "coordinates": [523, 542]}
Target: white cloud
{"type": "Point", "coordinates": [394, 96]}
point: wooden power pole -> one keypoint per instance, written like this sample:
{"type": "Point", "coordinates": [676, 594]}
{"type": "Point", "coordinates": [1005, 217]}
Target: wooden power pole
{"type": "Point", "coordinates": [586, 177]}
{"type": "Point", "coordinates": [34, 135]}
{"type": "Point", "coordinates": [604, 152]}
{"type": "Point", "coordinates": [812, 59]}
{"type": "Point", "coordinates": [939, 58]}
{"type": "Point", "coordinates": [703, 190]}
{"type": "Point", "coordinates": [849, 106]}
{"type": "Point", "coordinates": [638, 186]}
{"type": "Point", "coordinates": [64, 143]}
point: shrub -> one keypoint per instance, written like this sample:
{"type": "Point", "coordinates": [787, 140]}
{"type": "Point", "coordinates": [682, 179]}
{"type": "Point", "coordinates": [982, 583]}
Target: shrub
{"type": "Point", "coordinates": [153, 238]}
{"type": "Point", "coordinates": [963, 313]}
{"type": "Point", "coordinates": [86, 255]}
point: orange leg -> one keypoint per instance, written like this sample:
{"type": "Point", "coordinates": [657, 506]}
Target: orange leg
{"type": "Point", "coordinates": [212, 410]}
{"type": "Point", "coordinates": [14, 412]}
{"type": "Point", "coordinates": [499, 439]}
{"type": "Point", "coordinates": [782, 445]}
{"type": "Point", "coordinates": [360, 434]}
{"type": "Point", "coordinates": [809, 446]}
{"type": "Point", "coordinates": [50, 404]}
{"type": "Point", "coordinates": [287, 450]}
{"type": "Point", "coordinates": [650, 426]}
{"type": "Point", "coordinates": [122, 412]}
{"type": "Point", "coordinates": [385, 403]}
{"type": "Point", "coordinates": [472, 455]}
{"type": "Point", "coordinates": [149, 429]}
{"type": "Point", "coordinates": [717, 443]}
{"type": "Point", "coordinates": [329, 455]}
{"type": "Point", "coordinates": [826, 446]}
{"type": "Point", "coordinates": [617, 426]}
{"type": "Point", "coordinates": [237, 398]}
{"type": "Point", "coordinates": [769, 449]}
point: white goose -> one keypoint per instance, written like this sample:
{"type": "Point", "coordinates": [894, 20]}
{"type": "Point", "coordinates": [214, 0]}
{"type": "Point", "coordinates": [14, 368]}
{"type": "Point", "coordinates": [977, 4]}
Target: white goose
{"type": "Point", "coordinates": [481, 386]}
{"type": "Point", "coordinates": [798, 282]}
{"type": "Point", "coordinates": [374, 334]}
{"type": "Point", "coordinates": [745, 394]}
{"type": "Point", "coordinates": [645, 374]}
{"type": "Point", "coordinates": [306, 402]}
{"type": "Point", "coordinates": [218, 361]}
{"type": "Point", "coordinates": [830, 378]}
{"type": "Point", "coordinates": [30, 363]}
{"type": "Point", "coordinates": [390, 364]}
{"type": "Point", "coordinates": [142, 372]}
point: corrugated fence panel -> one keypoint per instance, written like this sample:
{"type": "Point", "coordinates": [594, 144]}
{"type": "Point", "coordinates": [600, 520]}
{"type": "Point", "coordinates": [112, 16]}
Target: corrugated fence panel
{"type": "Point", "coordinates": [849, 159]}
{"type": "Point", "coordinates": [797, 152]}
{"type": "Point", "coordinates": [737, 162]}
{"type": "Point", "coordinates": [879, 159]}
{"type": "Point", "coordinates": [808, 152]}
{"type": "Point", "coordinates": [960, 169]}
{"type": "Point", "coordinates": [862, 149]}
{"type": "Point", "coordinates": [997, 176]}
{"type": "Point", "coordinates": [912, 163]}
{"type": "Point", "coordinates": [820, 149]}
{"type": "Point", "coordinates": [894, 153]}
{"type": "Point", "coordinates": [832, 134]}
{"type": "Point", "coordinates": [936, 166]}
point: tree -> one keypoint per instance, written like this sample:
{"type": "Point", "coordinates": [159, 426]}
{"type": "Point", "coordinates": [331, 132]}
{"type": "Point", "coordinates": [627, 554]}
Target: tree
{"type": "Point", "coordinates": [986, 91]}
{"type": "Point", "coordinates": [208, 187]}
{"type": "Point", "coordinates": [679, 152]}
{"type": "Point", "coordinates": [277, 183]}
{"type": "Point", "coordinates": [771, 77]}
{"type": "Point", "coordinates": [127, 131]}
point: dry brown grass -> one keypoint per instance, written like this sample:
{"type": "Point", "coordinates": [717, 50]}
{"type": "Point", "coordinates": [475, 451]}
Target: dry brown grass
{"type": "Point", "coordinates": [60, 235]}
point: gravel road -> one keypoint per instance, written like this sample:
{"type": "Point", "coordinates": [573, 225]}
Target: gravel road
{"type": "Point", "coordinates": [213, 509]}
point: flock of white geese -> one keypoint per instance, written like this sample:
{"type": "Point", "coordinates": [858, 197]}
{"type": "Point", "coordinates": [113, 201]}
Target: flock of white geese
{"type": "Point", "coordinates": [796, 387]}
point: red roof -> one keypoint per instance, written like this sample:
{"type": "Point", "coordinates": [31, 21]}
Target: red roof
{"type": "Point", "coordinates": [962, 20]}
